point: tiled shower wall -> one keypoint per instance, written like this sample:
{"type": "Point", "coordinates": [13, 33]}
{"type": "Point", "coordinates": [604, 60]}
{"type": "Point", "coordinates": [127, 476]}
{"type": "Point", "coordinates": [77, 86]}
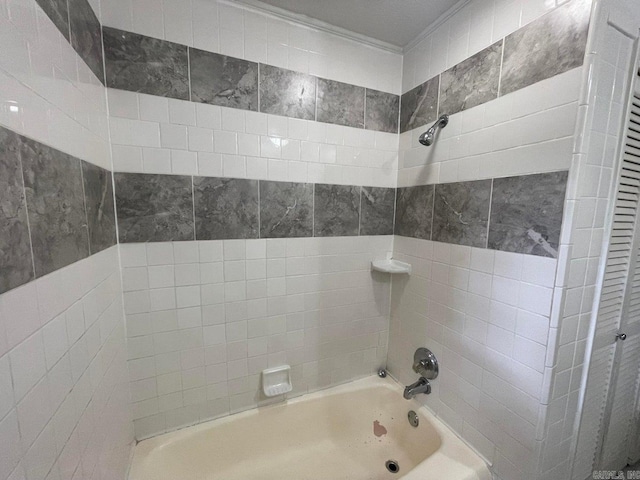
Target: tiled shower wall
{"type": "Point", "coordinates": [510, 75]}
{"type": "Point", "coordinates": [280, 195]}
{"type": "Point", "coordinates": [64, 393]}
{"type": "Point", "coordinates": [206, 314]}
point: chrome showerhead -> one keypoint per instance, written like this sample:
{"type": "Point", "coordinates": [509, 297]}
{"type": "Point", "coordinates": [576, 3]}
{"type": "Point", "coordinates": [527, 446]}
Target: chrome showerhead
{"type": "Point", "coordinates": [427, 137]}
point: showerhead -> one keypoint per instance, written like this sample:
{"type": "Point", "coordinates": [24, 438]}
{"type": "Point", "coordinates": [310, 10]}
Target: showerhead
{"type": "Point", "coordinates": [428, 137]}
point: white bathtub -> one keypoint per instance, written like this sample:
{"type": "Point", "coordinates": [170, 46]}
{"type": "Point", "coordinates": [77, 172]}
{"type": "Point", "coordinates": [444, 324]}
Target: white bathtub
{"type": "Point", "coordinates": [333, 434]}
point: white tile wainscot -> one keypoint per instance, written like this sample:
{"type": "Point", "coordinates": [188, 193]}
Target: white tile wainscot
{"type": "Point", "coordinates": [205, 318]}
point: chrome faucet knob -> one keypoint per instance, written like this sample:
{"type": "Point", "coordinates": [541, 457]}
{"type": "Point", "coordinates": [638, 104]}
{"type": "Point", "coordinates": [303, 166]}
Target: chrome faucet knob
{"type": "Point", "coordinates": [425, 363]}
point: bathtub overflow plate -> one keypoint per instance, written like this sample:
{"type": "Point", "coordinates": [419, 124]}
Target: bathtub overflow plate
{"type": "Point", "coordinates": [413, 418]}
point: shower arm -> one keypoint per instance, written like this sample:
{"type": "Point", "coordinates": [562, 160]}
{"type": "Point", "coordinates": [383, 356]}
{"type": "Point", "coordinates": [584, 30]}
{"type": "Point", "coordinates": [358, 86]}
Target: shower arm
{"type": "Point", "coordinates": [427, 137]}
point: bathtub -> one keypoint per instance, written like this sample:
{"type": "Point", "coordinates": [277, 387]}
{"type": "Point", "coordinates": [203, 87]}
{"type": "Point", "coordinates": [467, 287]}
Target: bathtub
{"type": "Point", "coordinates": [348, 432]}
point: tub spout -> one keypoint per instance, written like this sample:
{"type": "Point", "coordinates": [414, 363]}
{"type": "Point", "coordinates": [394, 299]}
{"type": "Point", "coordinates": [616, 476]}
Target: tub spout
{"type": "Point", "coordinates": [421, 386]}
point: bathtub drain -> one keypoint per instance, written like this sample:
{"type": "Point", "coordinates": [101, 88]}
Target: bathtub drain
{"type": "Point", "coordinates": [392, 466]}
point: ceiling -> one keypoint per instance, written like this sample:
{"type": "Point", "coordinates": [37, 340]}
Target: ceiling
{"type": "Point", "coordinates": [394, 22]}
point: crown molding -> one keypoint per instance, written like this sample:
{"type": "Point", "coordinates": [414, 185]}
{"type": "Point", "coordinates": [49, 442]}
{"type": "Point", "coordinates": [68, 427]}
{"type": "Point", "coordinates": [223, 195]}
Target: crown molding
{"type": "Point", "coordinates": [282, 14]}
{"type": "Point", "coordinates": [434, 25]}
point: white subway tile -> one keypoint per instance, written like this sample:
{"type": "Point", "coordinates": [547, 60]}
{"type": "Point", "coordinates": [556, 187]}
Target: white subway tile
{"type": "Point", "coordinates": [182, 112]}
{"type": "Point", "coordinates": [28, 364]}
{"type": "Point", "coordinates": [153, 108]}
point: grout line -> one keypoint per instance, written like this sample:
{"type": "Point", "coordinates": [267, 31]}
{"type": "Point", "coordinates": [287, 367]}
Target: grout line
{"type": "Point", "coordinates": [395, 210]}
{"type": "Point", "coordinates": [501, 65]}
{"type": "Point", "coordinates": [259, 211]}
{"type": "Point", "coordinates": [364, 119]}
{"type": "Point", "coordinates": [26, 208]}
{"type": "Point", "coordinates": [84, 202]}
{"type": "Point", "coordinates": [437, 99]}
{"type": "Point", "coordinates": [313, 210]}
{"type": "Point", "coordinates": [433, 211]}
{"type": "Point", "coordinates": [193, 207]}
{"type": "Point", "coordinates": [259, 106]}
{"type": "Point", "coordinates": [486, 243]}
{"type": "Point", "coordinates": [189, 72]}
{"type": "Point", "coordinates": [315, 118]}
{"type": "Point", "coordinates": [360, 212]}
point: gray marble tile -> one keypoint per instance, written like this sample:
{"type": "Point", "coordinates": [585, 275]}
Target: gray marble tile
{"type": "Point", "coordinates": [336, 210]}
{"type": "Point", "coordinates": [286, 209]}
{"type": "Point", "coordinates": [526, 213]}
{"type": "Point", "coordinates": [55, 204]}
{"type": "Point", "coordinates": [58, 12]}
{"type": "Point", "coordinates": [222, 80]}
{"type": "Point", "coordinates": [288, 93]}
{"type": "Point", "coordinates": [419, 106]}
{"type": "Point", "coordinates": [461, 213]}
{"type": "Point", "coordinates": [144, 64]}
{"type": "Point", "coordinates": [414, 211]}
{"type": "Point", "coordinates": [86, 35]}
{"type": "Point", "coordinates": [225, 208]}
{"type": "Point", "coordinates": [381, 112]}
{"type": "Point", "coordinates": [472, 82]}
{"type": "Point", "coordinates": [548, 46]}
{"type": "Point", "coordinates": [340, 103]}
{"type": "Point", "coordinates": [377, 206]}
{"type": "Point", "coordinates": [154, 208]}
{"type": "Point", "coordinates": [16, 264]}
{"type": "Point", "coordinates": [98, 197]}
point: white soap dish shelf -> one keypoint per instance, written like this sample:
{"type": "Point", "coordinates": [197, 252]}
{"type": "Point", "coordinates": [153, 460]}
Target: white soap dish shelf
{"type": "Point", "coordinates": [276, 381]}
{"type": "Point", "coordinates": [389, 265]}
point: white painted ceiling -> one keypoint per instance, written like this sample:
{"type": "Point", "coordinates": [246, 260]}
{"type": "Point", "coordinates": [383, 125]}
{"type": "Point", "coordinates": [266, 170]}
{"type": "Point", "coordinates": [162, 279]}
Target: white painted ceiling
{"type": "Point", "coordinates": [395, 22]}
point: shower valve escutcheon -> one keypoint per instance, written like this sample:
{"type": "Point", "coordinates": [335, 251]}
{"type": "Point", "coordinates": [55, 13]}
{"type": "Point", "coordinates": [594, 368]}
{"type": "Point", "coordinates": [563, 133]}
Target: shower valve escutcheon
{"type": "Point", "coordinates": [426, 365]}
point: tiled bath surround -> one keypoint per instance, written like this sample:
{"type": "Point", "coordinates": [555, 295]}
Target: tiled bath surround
{"type": "Point", "coordinates": [64, 386]}
{"type": "Point", "coordinates": [526, 211]}
{"type": "Point", "coordinates": [515, 214]}
{"type": "Point", "coordinates": [64, 392]}
{"type": "Point", "coordinates": [301, 151]}
{"type": "Point", "coordinates": [205, 318]}
{"type": "Point", "coordinates": [213, 321]}
{"type": "Point", "coordinates": [153, 208]}
{"type": "Point", "coordinates": [152, 134]}
{"type": "Point", "coordinates": [489, 313]}
{"type": "Point", "coordinates": [485, 315]}
{"type": "Point", "coordinates": [519, 60]}
{"type": "Point", "coordinates": [157, 67]}
{"type": "Point", "coordinates": [78, 23]}
{"type": "Point", "coordinates": [57, 209]}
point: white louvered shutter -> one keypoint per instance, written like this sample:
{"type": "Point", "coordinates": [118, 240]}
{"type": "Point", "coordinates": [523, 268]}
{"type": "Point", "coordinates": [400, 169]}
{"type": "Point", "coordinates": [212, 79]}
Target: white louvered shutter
{"type": "Point", "coordinates": [618, 436]}
{"type": "Point", "coordinates": [609, 426]}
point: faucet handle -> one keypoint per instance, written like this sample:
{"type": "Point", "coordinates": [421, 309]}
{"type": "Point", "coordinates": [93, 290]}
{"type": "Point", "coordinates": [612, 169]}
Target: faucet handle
{"type": "Point", "coordinates": [425, 363]}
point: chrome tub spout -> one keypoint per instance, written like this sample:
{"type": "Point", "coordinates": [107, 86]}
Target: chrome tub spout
{"type": "Point", "coordinates": [421, 386]}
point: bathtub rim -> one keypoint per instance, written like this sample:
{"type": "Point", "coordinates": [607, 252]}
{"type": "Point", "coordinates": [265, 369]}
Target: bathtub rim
{"type": "Point", "coordinates": [471, 465]}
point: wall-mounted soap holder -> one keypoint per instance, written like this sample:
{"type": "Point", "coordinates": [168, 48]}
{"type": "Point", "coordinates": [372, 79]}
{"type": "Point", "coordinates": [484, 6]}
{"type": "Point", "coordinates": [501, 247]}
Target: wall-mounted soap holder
{"type": "Point", "coordinates": [276, 381]}
{"type": "Point", "coordinates": [389, 265]}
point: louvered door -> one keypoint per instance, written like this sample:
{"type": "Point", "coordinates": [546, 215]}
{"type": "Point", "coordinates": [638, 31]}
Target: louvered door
{"type": "Point", "coordinates": [619, 417]}
{"type": "Point", "coordinates": [609, 427]}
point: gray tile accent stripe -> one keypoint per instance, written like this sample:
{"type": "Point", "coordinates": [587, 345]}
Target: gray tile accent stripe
{"type": "Point", "coordinates": [55, 209]}
{"type": "Point", "coordinates": [158, 67]}
{"type": "Point", "coordinates": [516, 214]}
{"type": "Point", "coordinates": [143, 64]}
{"type": "Point", "coordinates": [553, 44]}
{"type": "Point", "coordinates": [521, 214]}
{"type": "Point", "coordinates": [155, 207]}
